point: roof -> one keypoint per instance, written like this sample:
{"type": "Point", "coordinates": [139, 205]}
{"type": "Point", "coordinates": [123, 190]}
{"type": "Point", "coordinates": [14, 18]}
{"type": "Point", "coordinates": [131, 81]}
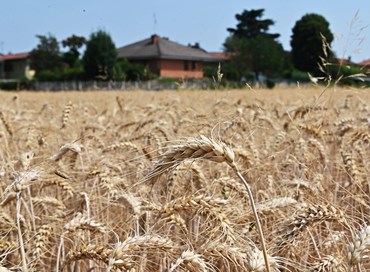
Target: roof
{"type": "Point", "coordinates": [365, 63]}
{"type": "Point", "coordinates": [14, 56]}
{"type": "Point", "coordinates": [221, 55]}
{"type": "Point", "coordinates": [345, 61]}
{"type": "Point", "coordinates": [156, 47]}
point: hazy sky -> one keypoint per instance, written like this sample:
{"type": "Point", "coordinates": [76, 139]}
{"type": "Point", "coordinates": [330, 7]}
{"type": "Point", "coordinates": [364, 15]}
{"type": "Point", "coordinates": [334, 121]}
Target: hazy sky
{"type": "Point", "coordinates": [203, 21]}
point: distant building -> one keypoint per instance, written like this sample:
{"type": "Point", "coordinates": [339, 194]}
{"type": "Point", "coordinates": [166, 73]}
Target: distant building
{"type": "Point", "coordinates": [223, 56]}
{"type": "Point", "coordinates": [168, 59]}
{"type": "Point", "coordinates": [365, 63]}
{"type": "Point", "coordinates": [348, 61]}
{"type": "Point", "coordinates": [15, 67]}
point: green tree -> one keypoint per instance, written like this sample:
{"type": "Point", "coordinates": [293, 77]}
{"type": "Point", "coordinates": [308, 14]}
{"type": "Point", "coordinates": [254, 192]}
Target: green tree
{"type": "Point", "coordinates": [46, 56]}
{"type": "Point", "coordinates": [74, 43]}
{"type": "Point", "coordinates": [308, 47]}
{"type": "Point", "coordinates": [253, 48]}
{"type": "Point", "coordinates": [250, 25]}
{"type": "Point", "coordinates": [100, 56]}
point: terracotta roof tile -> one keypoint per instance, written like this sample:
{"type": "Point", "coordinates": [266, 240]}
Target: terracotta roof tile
{"type": "Point", "coordinates": [14, 56]}
{"type": "Point", "coordinates": [364, 63]}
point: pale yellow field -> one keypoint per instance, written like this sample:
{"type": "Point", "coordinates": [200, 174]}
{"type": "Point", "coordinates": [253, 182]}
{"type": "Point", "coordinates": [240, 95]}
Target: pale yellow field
{"type": "Point", "coordinates": [80, 190]}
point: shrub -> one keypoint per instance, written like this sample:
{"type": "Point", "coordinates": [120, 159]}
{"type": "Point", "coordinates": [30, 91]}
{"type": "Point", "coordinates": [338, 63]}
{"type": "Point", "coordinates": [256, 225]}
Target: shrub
{"type": "Point", "coordinates": [124, 70]}
{"type": "Point", "coordinates": [9, 85]}
{"type": "Point", "coordinates": [47, 75]}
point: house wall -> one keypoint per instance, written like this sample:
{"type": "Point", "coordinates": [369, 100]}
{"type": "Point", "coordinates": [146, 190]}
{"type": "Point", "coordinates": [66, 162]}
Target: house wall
{"type": "Point", "coordinates": [154, 66]}
{"type": "Point", "coordinates": [15, 69]}
{"type": "Point", "coordinates": [181, 69]}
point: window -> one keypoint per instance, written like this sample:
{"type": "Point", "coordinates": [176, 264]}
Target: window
{"type": "Point", "coordinates": [186, 65]}
{"type": "Point", "coordinates": [193, 65]}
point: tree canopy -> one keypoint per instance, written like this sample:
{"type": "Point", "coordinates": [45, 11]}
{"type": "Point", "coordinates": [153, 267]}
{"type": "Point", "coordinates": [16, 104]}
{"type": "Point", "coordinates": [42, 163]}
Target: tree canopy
{"type": "Point", "coordinates": [253, 49]}
{"type": "Point", "coordinates": [46, 56]}
{"type": "Point", "coordinates": [74, 43]}
{"type": "Point", "coordinates": [100, 56]}
{"type": "Point", "coordinates": [250, 25]}
{"type": "Point", "coordinates": [307, 44]}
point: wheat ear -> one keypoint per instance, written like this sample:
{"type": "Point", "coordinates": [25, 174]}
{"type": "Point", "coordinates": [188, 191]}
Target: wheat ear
{"type": "Point", "coordinates": [358, 249]}
{"type": "Point", "coordinates": [7, 125]}
{"type": "Point", "coordinates": [191, 260]}
{"type": "Point", "coordinates": [213, 150]}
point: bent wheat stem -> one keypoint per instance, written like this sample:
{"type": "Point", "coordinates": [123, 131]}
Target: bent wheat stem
{"type": "Point", "coordinates": [258, 224]}
{"type": "Point", "coordinates": [209, 149]}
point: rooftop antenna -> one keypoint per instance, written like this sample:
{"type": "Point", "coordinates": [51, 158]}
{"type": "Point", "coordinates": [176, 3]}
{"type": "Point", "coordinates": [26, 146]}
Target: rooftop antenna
{"type": "Point", "coordinates": [154, 23]}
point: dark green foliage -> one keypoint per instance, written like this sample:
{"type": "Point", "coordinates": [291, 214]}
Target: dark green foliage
{"type": "Point", "coordinates": [210, 71]}
{"type": "Point", "coordinates": [46, 56]}
{"type": "Point", "coordinates": [307, 43]}
{"type": "Point", "coordinates": [270, 84]}
{"type": "Point", "coordinates": [13, 85]}
{"type": "Point", "coordinates": [74, 42]}
{"type": "Point", "coordinates": [47, 75]}
{"type": "Point", "coordinates": [250, 25]}
{"type": "Point", "coordinates": [347, 75]}
{"type": "Point", "coordinates": [295, 75]}
{"type": "Point", "coordinates": [16, 85]}
{"type": "Point", "coordinates": [253, 49]}
{"type": "Point", "coordinates": [124, 70]}
{"type": "Point", "coordinates": [51, 65]}
{"type": "Point", "coordinates": [72, 56]}
{"type": "Point", "coordinates": [259, 55]}
{"type": "Point", "coordinates": [67, 74]}
{"type": "Point", "coordinates": [100, 57]}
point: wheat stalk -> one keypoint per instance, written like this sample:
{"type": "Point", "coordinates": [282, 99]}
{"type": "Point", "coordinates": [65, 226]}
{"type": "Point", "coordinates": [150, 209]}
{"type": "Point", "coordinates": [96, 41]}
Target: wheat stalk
{"type": "Point", "coordinates": [20, 235]}
{"type": "Point", "coordinates": [208, 149]}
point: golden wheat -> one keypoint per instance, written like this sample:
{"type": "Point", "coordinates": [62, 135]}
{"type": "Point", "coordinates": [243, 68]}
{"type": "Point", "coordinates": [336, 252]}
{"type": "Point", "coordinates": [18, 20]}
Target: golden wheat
{"type": "Point", "coordinates": [129, 183]}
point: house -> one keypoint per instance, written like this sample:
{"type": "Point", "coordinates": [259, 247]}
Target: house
{"type": "Point", "coordinates": [15, 67]}
{"type": "Point", "coordinates": [365, 63]}
{"type": "Point", "coordinates": [346, 61]}
{"type": "Point", "coordinates": [223, 56]}
{"type": "Point", "coordinates": [166, 58]}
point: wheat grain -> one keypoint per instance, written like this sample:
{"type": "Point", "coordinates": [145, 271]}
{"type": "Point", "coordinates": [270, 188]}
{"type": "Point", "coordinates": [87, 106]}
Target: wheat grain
{"type": "Point", "coordinates": [66, 114]}
{"type": "Point", "coordinates": [191, 260]}
{"type": "Point", "coordinates": [6, 124]}
{"type": "Point", "coordinates": [81, 221]}
{"type": "Point", "coordinates": [359, 247]}
{"type": "Point", "coordinates": [327, 263]}
{"type": "Point", "coordinates": [194, 148]}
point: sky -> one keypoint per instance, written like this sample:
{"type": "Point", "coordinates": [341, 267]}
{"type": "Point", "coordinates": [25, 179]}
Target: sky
{"type": "Point", "coordinates": [190, 21]}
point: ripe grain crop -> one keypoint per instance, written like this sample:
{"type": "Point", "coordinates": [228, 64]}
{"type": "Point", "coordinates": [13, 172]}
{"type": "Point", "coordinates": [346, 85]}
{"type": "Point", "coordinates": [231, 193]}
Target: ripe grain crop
{"type": "Point", "coordinates": [147, 181]}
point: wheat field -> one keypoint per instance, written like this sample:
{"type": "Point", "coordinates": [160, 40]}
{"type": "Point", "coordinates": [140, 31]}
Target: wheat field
{"type": "Point", "coordinates": [120, 181]}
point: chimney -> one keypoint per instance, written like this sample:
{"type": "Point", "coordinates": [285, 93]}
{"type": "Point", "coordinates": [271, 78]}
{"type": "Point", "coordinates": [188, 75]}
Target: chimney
{"type": "Point", "coordinates": [154, 38]}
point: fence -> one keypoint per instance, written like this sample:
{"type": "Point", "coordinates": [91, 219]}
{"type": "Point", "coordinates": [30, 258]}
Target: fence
{"type": "Point", "coordinates": [119, 85]}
